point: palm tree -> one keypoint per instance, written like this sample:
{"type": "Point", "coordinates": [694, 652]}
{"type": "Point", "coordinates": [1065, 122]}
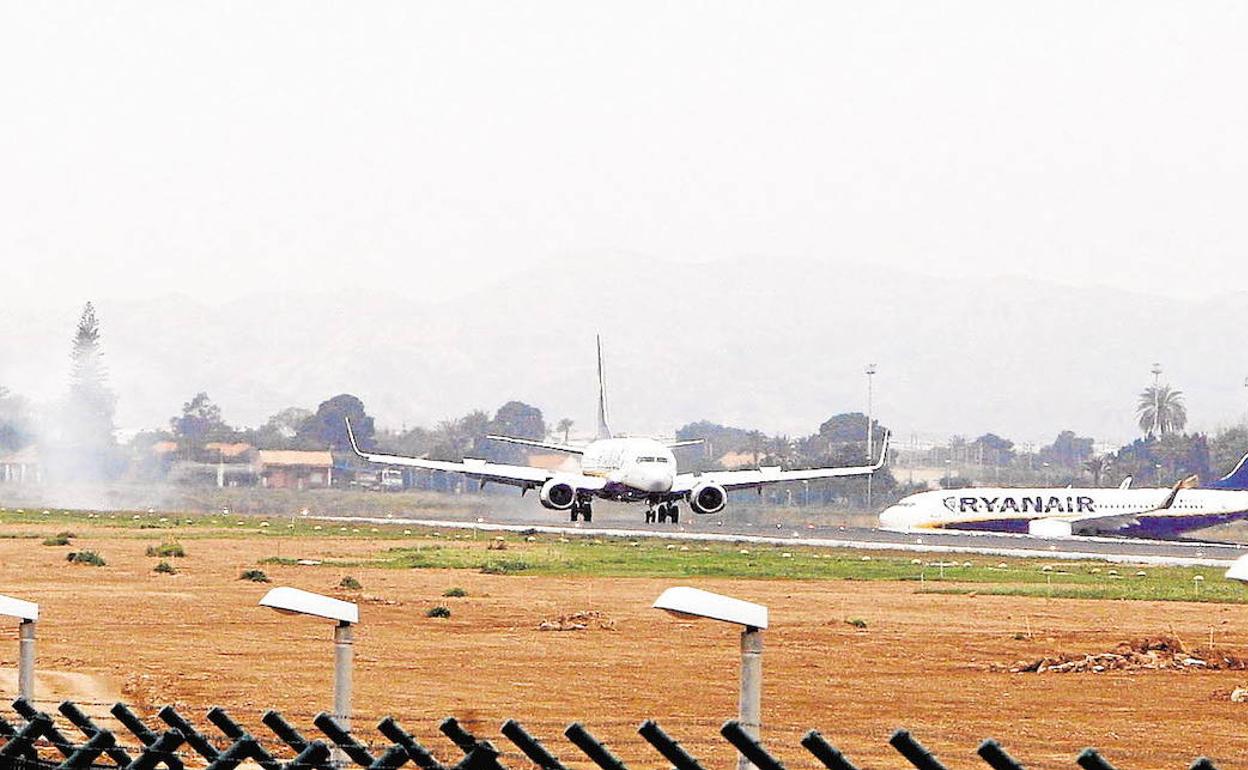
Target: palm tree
{"type": "Point", "coordinates": [1161, 407]}
{"type": "Point", "coordinates": [780, 449]}
{"type": "Point", "coordinates": [563, 427]}
{"type": "Point", "coordinates": [1096, 465]}
{"type": "Point", "coordinates": [755, 443]}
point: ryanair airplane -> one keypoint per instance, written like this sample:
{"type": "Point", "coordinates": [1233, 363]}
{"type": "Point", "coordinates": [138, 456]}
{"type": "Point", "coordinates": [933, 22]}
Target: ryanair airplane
{"type": "Point", "coordinates": [623, 470]}
{"type": "Point", "coordinates": [1157, 513]}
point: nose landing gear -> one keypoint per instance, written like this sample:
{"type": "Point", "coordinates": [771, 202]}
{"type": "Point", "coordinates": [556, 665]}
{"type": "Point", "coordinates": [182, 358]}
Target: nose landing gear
{"type": "Point", "coordinates": [663, 512]}
{"type": "Point", "coordinates": [583, 509]}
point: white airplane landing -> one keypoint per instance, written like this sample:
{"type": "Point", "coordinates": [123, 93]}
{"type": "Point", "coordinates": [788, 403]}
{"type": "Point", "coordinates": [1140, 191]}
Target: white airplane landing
{"type": "Point", "coordinates": [623, 470]}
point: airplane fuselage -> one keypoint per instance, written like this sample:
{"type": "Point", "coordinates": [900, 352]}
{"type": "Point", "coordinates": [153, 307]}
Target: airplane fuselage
{"type": "Point", "coordinates": [634, 468]}
{"type": "Point", "coordinates": [1000, 509]}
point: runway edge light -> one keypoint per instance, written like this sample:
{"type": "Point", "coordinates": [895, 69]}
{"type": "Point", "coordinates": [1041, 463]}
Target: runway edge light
{"type": "Point", "coordinates": [694, 602]}
{"type": "Point", "coordinates": [1238, 570]}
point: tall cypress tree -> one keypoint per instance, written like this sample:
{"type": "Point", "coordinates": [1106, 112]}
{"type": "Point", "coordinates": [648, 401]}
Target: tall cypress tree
{"type": "Point", "coordinates": [88, 429]}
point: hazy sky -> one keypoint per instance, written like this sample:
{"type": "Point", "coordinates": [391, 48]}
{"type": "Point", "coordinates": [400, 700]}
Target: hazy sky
{"type": "Point", "coordinates": [222, 148]}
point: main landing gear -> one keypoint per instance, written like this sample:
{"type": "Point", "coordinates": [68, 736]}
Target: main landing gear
{"type": "Point", "coordinates": [582, 509]}
{"type": "Point", "coordinates": [663, 512]}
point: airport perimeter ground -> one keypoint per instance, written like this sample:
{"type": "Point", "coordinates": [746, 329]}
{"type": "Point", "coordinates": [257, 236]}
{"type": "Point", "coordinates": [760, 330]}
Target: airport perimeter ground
{"type": "Point", "coordinates": [932, 662]}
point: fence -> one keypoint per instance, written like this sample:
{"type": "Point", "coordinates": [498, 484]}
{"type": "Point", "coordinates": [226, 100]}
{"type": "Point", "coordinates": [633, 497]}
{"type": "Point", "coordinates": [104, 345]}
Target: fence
{"type": "Point", "coordinates": [39, 744]}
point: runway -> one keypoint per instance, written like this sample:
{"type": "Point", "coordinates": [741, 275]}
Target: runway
{"type": "Point", "coordinates": [1119, 550]}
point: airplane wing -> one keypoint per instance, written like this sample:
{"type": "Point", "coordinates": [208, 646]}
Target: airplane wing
{"type": "Point", "coordinates": [523, 476]}
{"type": "Point", "coordinates": [760, 477]}
{"type": "Point", "coordinates": [539, 444]}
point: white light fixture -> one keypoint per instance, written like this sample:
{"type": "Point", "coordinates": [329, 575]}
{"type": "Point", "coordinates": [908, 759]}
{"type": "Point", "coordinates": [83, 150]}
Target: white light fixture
{"type": "Point", "coordinates": [27, 614]}
{"type": "Point", "coordinates": [694, 602]}
{"type": "Point", "coordinates": [686, 602]}
{"type": "Point", "coordinates": [293, 601]}
{"type": "Point", "coordinates": [1238, 570]}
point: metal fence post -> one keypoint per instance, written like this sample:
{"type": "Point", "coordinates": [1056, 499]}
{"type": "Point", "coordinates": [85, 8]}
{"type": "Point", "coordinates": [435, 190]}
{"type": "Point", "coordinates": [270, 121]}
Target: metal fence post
{"type": "Point", "coordinates": [343, 654]}
{"type": "Point", "coordinates": [750, 708]}
{"type": "Point", "coordinates": [26, 657]}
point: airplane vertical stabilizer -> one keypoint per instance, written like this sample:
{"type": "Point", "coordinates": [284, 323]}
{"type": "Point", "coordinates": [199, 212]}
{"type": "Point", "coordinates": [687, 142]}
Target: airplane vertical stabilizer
{"type": "Point", "coordinates": [1236, 479]}
{"type": "Point", "coordinates": [603, 430]}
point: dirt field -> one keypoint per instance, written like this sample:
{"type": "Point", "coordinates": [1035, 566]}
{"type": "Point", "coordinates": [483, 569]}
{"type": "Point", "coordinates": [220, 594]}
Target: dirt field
{"type": "Point", "coordinates": [923, 661]}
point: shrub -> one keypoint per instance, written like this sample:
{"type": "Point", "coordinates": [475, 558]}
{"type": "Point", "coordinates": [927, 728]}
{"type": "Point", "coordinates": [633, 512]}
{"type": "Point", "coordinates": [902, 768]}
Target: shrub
{"type": "Point", "coordinates": [167, 550]}
{"type": "Point", "coordinates": [254, 575]}
{"type": "Point", "coordinates": [857, 622]}
{"type": "Point", "coordinates": [456, 591]}
{"type": "Point", "coordinates": [497, 544]}
{"type": "Point", "coordinates": [90, 558]}
{"type": "Point", "coordinates": [56, 540]}
{"type": "Point", "coordinates": [165, 568]}
{"type": "Point", "coordinates": [65, 533]}
{"type": "Point", "coordinates": [440, 611]}
{"type": "Point", "coordinates": [350, 583]}
{"type": "Point", "coordinates": [504, 567]}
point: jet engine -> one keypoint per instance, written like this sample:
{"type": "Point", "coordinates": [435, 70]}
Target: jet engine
{"type": "Point", "coordinates": [557, 495]}
{"type": "Point", "coordinates": [708, 498]}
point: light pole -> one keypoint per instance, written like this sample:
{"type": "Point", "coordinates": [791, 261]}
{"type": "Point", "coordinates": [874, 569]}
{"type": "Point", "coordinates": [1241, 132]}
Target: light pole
{"type": "Point", "coordinates": [293, 601]}
{"type": "Point", "coordinates": [870, 454]}
{"type": "Point", "coordinates": [695, 603]}
{"type": "Point", "coordinates": [27, 614]}
{"type": "Point", "coordinates": [1156, 370]}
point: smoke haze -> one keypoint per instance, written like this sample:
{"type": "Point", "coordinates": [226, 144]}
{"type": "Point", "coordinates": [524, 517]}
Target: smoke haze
{"type": "Point", "coordinates": [1014, 210]}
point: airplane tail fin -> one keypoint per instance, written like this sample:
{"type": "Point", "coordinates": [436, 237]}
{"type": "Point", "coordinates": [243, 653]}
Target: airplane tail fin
{"type": "Point", "coordinates": [1236, 479]}
{"type": "Point", "coordinates": [603, 430]}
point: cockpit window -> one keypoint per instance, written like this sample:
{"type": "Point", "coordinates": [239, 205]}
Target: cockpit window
{"type": "Point", "coordinates": [651, 459]}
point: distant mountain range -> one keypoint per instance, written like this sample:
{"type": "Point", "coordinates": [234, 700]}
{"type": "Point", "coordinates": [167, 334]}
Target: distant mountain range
{"type": "Point", "coordinates": [727, 341]}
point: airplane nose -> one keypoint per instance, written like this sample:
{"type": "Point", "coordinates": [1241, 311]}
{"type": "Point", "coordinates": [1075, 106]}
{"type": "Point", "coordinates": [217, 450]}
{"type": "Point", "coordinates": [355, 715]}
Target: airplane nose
{"type": "Point", "coordinates": [893, 518]}
{"type": "Point", "coordinates": [655, 482]}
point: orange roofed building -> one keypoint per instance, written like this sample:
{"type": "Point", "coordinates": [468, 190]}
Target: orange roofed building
{"type": "Point", "coordinates": [294, 469]}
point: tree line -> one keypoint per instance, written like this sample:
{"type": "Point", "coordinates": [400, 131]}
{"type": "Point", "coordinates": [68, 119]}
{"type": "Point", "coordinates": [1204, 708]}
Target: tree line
{"type": "Point", "coordinates": [76, 437]}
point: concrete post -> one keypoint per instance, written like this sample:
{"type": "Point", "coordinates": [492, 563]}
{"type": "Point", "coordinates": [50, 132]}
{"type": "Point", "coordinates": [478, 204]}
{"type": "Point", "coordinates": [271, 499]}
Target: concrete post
{"type": "Point", "coordinates": [750, 709]}
{"type": "Point", "coordinates": [26, 658]}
